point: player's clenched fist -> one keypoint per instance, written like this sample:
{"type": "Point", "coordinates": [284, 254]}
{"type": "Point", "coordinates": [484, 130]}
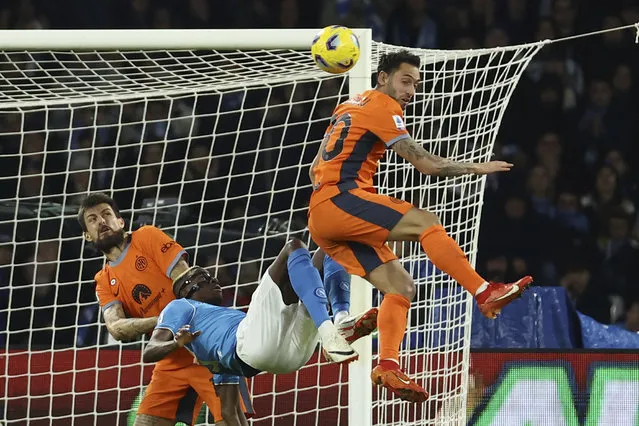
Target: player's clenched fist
{"type": "Point", "coordinates": [184, 335]}
{"type": "Point", "coordinates": [492, 167]}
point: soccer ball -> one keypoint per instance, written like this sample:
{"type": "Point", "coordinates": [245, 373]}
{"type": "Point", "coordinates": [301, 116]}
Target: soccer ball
{"type": "Point", "coordinates": [335, 49]}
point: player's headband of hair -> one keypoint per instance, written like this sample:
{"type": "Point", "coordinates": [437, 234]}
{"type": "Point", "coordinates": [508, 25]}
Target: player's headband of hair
{"type": "Point", "coordinates": [193, 275]}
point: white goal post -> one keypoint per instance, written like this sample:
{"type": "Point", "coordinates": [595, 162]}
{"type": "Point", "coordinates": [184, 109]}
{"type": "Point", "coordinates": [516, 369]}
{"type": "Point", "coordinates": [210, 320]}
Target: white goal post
{"type": "Point", "coordinates": [87, 88]}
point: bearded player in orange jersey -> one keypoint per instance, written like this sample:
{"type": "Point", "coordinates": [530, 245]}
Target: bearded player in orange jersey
{"type": "Point", "coordinates": [133, 288]}
{"type": "Point", "coordinates": [352, 223]}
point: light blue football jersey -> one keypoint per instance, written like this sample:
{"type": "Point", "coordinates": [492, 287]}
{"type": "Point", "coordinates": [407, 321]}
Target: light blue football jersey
{"type": "Point", "coordinates": [215, 346]}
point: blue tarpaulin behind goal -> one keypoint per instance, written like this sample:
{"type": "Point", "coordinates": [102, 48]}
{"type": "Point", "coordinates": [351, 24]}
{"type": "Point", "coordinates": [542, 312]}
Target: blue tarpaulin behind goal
{"type": "Point", "coordinates": [545, 318]}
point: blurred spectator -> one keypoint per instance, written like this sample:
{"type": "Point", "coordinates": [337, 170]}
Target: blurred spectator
{"type": "Point", "coordinates": [619, 251]}
{"type": "Point", "coordinates": [569, 214]}
{"type": "Point", "coordinates": [162, 19]}
{"type": "Point", "coordinates": [411, 25]}
{"type": "Point", "coordinates": [607, 195]}
{"type": "Point", "coordinates": [540, 191]}
{"type": "Point", "coordinates": [623, 86]}
{"type": "Point", "coordinates": [205, 14]}
{"type": "Point", "coordinates": [632, 314]}
{"type": "Point", "coordinates": [138, 15]}
{"type": "Point", "coordinates": [549, 154]}
{"type": "Point", "coordinates": [200, 191]}
{"type": "Point", "coordinates": [517, 232]}
{"type": "Point", "coordinates": [517, 19]}
{"type": "Point", "coordinates": [603, 123]}
{"type": "Point", "coordinates": [358, 14]}
{"type": "Point", "coordinates": [39, 303]}
{"type": "Point", "coordinates": [481, 16]}
{"type": "Point", "coordinates": [496, 37]}
{"type": "Point", "coordinates": [608, 49]}
{"type": "Point", "coordinates": [588, 296]}
{"type": "Point", "coordinates": [78, 185]}
{"type": "Point", "coordinates": [564, 14]}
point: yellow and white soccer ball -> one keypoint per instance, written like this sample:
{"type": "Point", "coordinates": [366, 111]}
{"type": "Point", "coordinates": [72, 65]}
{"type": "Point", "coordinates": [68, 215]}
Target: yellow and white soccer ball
{"type": "Point", "coordinates": [335, 49]}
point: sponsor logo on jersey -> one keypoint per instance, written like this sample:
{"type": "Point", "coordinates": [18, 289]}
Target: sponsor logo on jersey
{"type": "Point", "coordinates": [141, 263]}
{"type": "Point", "coordinates": [167, 246]}
{"type": "Point", "coordinates": [140, 293]}
{"type": "Point", "coordinates": [153, 302]}
{"type": "Point", "coordinates": [399, 123]}
{"type": "Point", "coordinates": [113, 281]}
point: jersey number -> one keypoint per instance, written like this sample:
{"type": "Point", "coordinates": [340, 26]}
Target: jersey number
{"type": "Point", "coordinates": [345, 119]}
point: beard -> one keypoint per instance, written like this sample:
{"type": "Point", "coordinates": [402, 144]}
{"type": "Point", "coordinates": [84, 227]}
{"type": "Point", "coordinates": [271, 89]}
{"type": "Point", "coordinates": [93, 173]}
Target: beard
{"type": "Point", "coordinates": [217, 299]}
{"type": "Point", "coordinates": [393, 94]}
{"type": "Point", "coordinates": [111, 240]}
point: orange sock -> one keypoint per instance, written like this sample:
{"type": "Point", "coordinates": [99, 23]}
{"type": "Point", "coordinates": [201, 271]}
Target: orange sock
{"type": "Point", "coordinates": [391, 323]}
{"type": "Point", "coordinates": [446, 255]}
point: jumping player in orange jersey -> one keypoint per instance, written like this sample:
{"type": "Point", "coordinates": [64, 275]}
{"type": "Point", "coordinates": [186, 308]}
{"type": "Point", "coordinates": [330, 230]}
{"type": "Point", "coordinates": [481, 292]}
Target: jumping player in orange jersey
{"type": "Point", "coordinates": [352, 223]}
{"type": "Point", "coordinates": [133, 288]}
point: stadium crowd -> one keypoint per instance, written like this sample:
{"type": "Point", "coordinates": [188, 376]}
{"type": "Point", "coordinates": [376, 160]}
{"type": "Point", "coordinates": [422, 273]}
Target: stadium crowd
{"type": "Point", "coordinates": [567, 213]}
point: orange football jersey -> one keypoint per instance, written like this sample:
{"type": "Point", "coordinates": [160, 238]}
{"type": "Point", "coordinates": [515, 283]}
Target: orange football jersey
{"type": "Point", "coordinates": [140, 280]}
{"type": "Point", "coordinates": [361, 130]}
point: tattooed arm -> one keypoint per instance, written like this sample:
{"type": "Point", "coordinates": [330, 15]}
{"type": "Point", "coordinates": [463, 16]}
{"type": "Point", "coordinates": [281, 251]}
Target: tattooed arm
{"type": "Point", "coordinates": [123, 328]}
{"type": "Point", "coordinates": [430, 164]}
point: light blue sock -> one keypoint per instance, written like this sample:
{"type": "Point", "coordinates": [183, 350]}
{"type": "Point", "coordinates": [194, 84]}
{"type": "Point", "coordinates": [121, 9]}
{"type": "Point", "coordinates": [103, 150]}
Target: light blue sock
{"type": "Point", "coordinates": [338, 285]}
{"type": "Point", "coordinates": [308, 286]}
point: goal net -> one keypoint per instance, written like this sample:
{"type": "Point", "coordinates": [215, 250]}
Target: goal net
{"type": "Point", "coordinates": [213, 145]}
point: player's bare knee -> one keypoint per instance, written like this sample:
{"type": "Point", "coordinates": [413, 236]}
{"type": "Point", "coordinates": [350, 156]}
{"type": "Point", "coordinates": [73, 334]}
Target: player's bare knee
{"type": "Point", "coordinates": [403, 285]}
{"type": "Point", "coordinates": [408, 290]}
{"type": "Point", "coordinates": [294, 244]}
{"type": "Point", "coordinates": [413, 224]}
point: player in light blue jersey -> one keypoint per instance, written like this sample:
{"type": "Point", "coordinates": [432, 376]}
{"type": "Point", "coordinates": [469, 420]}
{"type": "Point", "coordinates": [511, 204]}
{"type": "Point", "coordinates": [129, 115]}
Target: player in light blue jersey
{"type": "Point", "coordinates": [279, 333]}
{"type": "Point", "coordinates": [337, 283]}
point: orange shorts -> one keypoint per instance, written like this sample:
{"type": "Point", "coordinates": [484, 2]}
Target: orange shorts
{"type": "Point", "coordinates": [352, 228]}
{"type": "Point", "coordinates": [178, 394]}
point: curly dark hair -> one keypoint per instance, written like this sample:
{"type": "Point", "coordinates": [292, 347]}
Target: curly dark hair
{"type": "Point", "coordinates": [390, 62]}
{"type": "Point", "coordinates": [93, 200]}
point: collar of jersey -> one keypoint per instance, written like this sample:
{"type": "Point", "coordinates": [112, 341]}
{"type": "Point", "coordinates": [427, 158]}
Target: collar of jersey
{"type": "Point", "coordinates": [122, 255]}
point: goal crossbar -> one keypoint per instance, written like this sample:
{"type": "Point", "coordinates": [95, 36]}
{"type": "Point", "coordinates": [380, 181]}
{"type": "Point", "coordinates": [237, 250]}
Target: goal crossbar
{"type": "Point", "coordinates": [231, 39]}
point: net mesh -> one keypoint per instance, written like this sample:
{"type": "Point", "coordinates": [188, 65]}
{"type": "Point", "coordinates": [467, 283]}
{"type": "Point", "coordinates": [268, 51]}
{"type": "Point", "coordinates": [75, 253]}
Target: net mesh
{"type": "Point", "coordinates": [214, 148]}
{"type": "Point", "coordinates": [456, 114]}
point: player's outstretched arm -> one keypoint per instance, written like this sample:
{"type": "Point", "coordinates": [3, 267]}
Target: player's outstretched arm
{"type": "Point", "coordinates": [430, 164]}
{"type": "Point", "coordinates": [123, 328]}
{"type": "Point", "coordinates": [163, 342]}
{"type": "Point", "coordinates": [231, 409]}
